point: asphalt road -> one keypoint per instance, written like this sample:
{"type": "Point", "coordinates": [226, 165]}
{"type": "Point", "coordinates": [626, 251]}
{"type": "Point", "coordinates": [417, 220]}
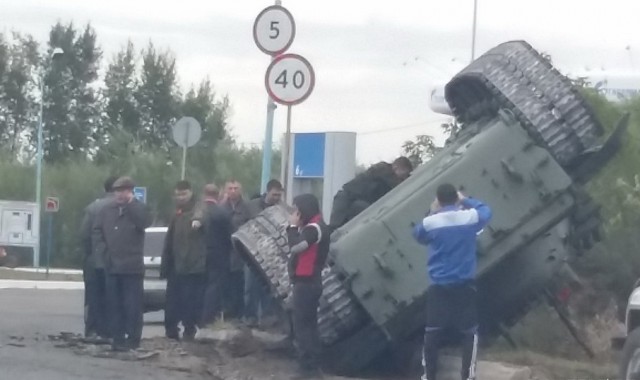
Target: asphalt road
{"type": "Point", "coordinates": [29, 316]}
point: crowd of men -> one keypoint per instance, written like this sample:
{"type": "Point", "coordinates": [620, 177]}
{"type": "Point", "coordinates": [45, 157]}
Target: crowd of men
{"type": "Point", "coordinates": [206, 277]}
{"type": "Point", "coordinates": [197, 258]}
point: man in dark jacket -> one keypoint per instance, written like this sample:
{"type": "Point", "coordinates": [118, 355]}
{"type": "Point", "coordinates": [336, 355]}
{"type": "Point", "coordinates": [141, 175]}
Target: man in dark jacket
{"type": "Point", "coordinates": [95, 294]}
{"type": "Point", "coordinates": [118, 234]}
{"type": "Point", "coordinates": [234, 203]}
{"type": "Point", "coordinates": [308, 238]}
{"type": "Point", "coordinates": [218, 243]}
{"type": "Point", "coordinates": [256, 292]}
{"type": "Point", "coordinates": [184, 265]}
{"type": "Point", "coordinates": [364, 190]}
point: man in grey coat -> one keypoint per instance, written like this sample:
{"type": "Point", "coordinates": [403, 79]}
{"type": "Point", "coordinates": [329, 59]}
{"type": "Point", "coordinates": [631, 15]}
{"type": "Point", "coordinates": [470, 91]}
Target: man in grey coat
{"type": "Point", "coordinates": [95, 296]}
{"type": "Point", "coordinates": [119, 233]}
{"type": "Point", "coordinates": [235, 204]}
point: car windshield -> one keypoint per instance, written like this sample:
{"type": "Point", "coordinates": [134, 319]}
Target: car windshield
{"type": "Point", "coordinates": [153, 243]}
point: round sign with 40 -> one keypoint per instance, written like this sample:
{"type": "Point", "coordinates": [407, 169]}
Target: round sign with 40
{"type": "Point", "coordinates": [290, 79]}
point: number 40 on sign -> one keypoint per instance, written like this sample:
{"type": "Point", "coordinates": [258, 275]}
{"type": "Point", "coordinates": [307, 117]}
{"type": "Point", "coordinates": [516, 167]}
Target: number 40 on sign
{"type": "Point", "coordinates": [290, 79]}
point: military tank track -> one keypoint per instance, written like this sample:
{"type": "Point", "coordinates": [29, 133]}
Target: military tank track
{"type": "Point", "coordinates": [263, 243]}
{"type": "Point", "coordinates": [511, 76]}
{"type": "Point", "coordinates": [514, 76]}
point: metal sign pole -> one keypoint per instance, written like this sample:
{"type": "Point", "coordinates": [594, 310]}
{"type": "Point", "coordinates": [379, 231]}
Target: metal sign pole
{"type": "Point", "coordinates": [285, 181]}
{"type": "Point", "coordinates": [273, 32]}
{"type": "Point", "coordinates": [49, 241]}
{"type": "Point", "coordinates": [266, 147]}
{"type": "Point", "coordinates": [184, 151]}
{"type": "Point", "coordinates": [473, 32]}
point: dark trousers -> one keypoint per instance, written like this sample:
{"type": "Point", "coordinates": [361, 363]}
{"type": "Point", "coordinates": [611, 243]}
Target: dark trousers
{"type": "Point", "coordinates": [256, 295]}
{"type": "Point", "coordinates": [235, 294]}
{"type": "Point", "coordinates": [306, 296]}
{"type": "Point", "coordinates": [345, 208]}
{"type": "Point", "coordinates": [451, 311]}
{"type": "Point", "coordinates": [215, 295]}
{"type": "Point", "coordinates": [95, 302]}
{"type": "Point", "coordinates": [340, 209]}
{"type": "Point", "coordinates": [125, 296]}
{"type": "Point", "coordinates": [185, 294]}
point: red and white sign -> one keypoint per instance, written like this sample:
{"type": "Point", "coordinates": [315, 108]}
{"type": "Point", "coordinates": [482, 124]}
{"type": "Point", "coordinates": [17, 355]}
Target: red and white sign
{"type": "Point", "coordinates": [274, 30]}
{"type": "Point", "coordinates": [52, 204]}
{"type": "Point", "coordinates": [290, 79]}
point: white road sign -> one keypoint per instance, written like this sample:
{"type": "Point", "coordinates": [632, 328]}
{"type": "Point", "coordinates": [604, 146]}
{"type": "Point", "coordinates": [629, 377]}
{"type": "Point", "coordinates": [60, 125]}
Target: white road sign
{"type": "Point", "coordinates": [274, 30]}
{"type": "Point", "coordinates": [290, 79]}
{"type": "Point", "coordinates": [187, 132]}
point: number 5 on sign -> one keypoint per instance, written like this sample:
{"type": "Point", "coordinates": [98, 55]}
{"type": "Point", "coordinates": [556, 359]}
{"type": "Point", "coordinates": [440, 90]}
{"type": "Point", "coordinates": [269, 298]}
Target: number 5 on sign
{"type": "Point", "coordinates": [290, 79]}
{"type": "Point", "coordinates": [274, 30]}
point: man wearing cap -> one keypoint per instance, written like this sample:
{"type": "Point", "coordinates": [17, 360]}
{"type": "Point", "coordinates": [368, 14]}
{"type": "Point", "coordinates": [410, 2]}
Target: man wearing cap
{"type": "Point", "coordinates": [119, 232]}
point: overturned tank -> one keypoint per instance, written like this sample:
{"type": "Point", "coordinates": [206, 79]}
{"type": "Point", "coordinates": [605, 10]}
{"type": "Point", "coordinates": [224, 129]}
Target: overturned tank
{"type": "Point", "coordinates": [527, 146]}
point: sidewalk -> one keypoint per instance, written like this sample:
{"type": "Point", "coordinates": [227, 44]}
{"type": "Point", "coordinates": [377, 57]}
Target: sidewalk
{"type": "Point", "coordinates": [34, 274]}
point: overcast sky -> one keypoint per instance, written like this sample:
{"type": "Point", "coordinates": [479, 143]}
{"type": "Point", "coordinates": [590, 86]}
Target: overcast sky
{"type": "Point", "coordinates": [375, 61]}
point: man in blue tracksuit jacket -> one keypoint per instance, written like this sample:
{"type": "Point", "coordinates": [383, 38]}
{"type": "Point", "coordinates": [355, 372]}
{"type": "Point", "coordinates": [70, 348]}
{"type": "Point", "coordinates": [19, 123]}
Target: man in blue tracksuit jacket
{"type": "Point", "coordinates": [450, 232]}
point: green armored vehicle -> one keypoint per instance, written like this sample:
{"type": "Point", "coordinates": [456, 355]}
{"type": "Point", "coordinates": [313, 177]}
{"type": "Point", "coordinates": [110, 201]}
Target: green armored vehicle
{"type": "Point", "coordinates": [527, 145]}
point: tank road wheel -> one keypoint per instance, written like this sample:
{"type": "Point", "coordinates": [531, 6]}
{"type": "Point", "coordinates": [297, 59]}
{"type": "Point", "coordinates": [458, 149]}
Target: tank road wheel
{"type": "Point", "coordinates": [630, 362]}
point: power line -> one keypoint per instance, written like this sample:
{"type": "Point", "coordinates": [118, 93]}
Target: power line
{"type": "Point", "coordinates": [406, 126]}
{"type": "Point", "coordinates": [370, 132]}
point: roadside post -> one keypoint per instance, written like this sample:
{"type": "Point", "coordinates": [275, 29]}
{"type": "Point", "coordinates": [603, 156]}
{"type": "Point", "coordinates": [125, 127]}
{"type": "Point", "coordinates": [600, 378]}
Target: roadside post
{"type": "Point", "coordinates": [273, 32]}
{"type": "Point", "coordinates": [186, 133]}
{"type": "Point", "coordinates": [52, 206]}
{"type": "Point", "coordinates": [289, 80]}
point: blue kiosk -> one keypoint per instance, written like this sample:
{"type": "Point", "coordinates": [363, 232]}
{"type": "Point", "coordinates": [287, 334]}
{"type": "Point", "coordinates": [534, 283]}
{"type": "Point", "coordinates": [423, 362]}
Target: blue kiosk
{"type": "Point", "coordinates": [320, 163]}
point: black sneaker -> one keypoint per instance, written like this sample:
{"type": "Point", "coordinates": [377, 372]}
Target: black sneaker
{"type": "Point", "coordinates": [189, 336]}
{"type": "Point", "coordinates": [119, 348]}
{"type": "Point", "coordinates": [173, 335]}
{"type": "Point", "coordinates": [133, 344]}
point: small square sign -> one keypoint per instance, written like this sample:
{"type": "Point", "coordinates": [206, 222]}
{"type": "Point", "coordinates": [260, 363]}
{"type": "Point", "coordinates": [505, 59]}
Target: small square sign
{"type": "Point", "coordinates": [52, 204]}
{"type": "Point", "coordinates": [140, 193]}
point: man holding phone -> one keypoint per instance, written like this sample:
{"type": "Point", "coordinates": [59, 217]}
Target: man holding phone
{"type": "Point", "coordinates": [118, 234]}
{"type": "Point", "coordinates": [450, 232]}
{"type": "Point", "coordinates": [308, 237]}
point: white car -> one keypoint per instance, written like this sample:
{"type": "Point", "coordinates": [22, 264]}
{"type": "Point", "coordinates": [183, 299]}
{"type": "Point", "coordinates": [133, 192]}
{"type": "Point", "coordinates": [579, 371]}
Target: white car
{"type": "Point", "coordinates": [630, 342]}
{"type": "Point", "coordinates": [154, 287]}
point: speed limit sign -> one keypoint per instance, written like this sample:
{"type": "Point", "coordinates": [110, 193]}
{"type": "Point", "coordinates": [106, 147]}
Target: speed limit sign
{"type": "Point", "coordinates": [274, 30]}
{"type": "Point", "coordinates": [290, 79]}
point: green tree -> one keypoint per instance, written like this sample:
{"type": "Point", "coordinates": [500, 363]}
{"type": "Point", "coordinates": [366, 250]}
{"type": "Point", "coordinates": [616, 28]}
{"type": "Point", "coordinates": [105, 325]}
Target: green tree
{"type": "Point", "coordinates": [420, 150]}
{"type": "Point", "coordinates": [121, 108]}
{"type": "Point", "coordinates": [86, 123]}
{"type": "Point", "coordinates": [17, 103]}
{"type": "Point", "coordinates": [211, 113]}
{"type": "Point", "coordinates": [158, 98]}
{"type": "Point", "coordinates": [423, 147]}
{"type": "Point", "coordinates": [72, 111]}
